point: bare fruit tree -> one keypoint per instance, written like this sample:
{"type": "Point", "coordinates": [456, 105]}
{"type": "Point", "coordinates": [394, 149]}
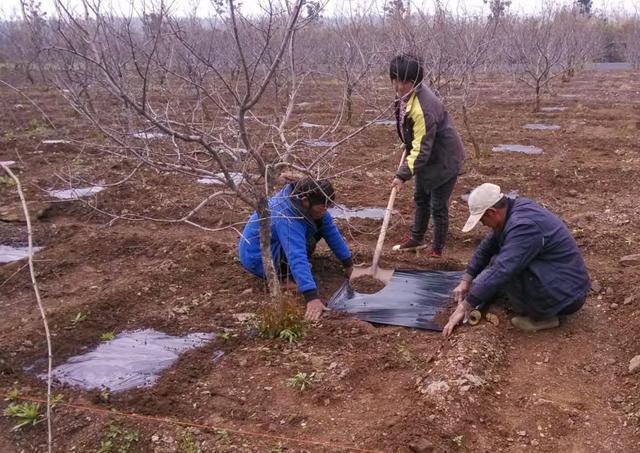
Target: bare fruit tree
{"type": "Point", "coordinates": [473, 39]}
{"type": "Point", "coordinates": [20, 44]}
{"type": "Point", "coordinates": [534, 49]}
{"type": "Point", "coordinates": [208, 98]}
{"type": "Point", "coordinates": [581, 39]}
{"type": "Point", "coordinates": [632, 40]}
{"type": "Point", "coordinates": [355, 55]}
{"type": "Point", "coordinates": [436, 45]}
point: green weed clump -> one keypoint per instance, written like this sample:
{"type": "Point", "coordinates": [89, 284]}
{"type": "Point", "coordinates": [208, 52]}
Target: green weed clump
{"type": "Point", "coordinates": [284, 320]}
{"type": "Point", "coordinates": [301, 381]}
{"type": "Point", "coordinates": [26, 414]}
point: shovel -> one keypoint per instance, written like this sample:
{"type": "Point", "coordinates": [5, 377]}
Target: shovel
{"type": "Point", "coordinates": [384, 275]}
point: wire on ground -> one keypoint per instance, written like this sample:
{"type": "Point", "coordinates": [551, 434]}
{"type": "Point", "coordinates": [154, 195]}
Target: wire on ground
{"type": "Point", "coordinates": [240, 432]}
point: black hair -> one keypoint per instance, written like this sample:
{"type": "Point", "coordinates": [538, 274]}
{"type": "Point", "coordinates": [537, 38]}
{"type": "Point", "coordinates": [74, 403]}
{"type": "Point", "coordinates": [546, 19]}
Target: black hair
{"type": "Point", "coordinates": [501, 203]}
{"type": "Point", "coordinates": [406, 68]}
{"type": "Point", "coordinates": [316, 191]}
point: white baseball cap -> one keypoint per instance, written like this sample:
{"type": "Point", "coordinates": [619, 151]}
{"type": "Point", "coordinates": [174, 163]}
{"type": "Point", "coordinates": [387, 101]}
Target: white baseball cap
{"type": "Point", "coordinates": [480, 199]}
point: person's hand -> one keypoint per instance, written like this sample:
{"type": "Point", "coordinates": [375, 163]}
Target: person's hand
{"type": "Point", "coordinates": [348, 271]}
{"type": "Point", "coordinates": [398, 184]}
{"type": "Point", "coordinates": [315, 308]}
{"type": "Point", "coordinates": [456, 318]}
{"type": "Point", "coordinates": [460, 292]}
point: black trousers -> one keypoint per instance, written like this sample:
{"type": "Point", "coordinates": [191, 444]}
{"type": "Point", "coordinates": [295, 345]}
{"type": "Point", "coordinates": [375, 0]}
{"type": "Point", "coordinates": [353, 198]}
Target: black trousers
{"type": "Point", "coordinates": [432, 202]}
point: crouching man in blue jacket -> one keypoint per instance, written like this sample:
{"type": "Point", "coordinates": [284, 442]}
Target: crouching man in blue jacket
{"type": "Point", "coordinates": [299, 219]}
{"type": "Point", "coordinates": [530, 256]}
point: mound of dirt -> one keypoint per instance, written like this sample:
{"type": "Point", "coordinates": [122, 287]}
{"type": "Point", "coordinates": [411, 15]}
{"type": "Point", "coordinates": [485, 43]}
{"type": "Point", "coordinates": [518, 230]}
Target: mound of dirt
{"type": "Point", "coordinates": [367, 284]}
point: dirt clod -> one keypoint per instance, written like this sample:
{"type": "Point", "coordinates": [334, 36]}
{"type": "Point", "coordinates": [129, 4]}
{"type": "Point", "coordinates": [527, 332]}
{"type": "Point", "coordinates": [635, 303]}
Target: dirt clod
{"type": "Point", "coordinates": [367, 284]}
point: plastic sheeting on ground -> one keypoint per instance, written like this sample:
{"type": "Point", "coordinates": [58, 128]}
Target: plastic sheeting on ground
{"type": "Point", "coordinates": [343, 212]}
{"type": "Point", "coordinates": [411, 299]}
{"type": "Point", "coordinates": [74, 194]}
{"type": "Point", "coordinates": [131, 360]}
{"type": "Point", "coordinates": [219, 179]}
{"type": "Point", "coordinates": [9, 254]}
{"type": "Point", "coordinates": [542, 126]}
{"type": "Point", "coordinates": [515, 148]}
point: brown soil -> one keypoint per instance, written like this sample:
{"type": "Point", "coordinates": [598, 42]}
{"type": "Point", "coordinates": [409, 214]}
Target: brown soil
{"type": "Point", "coordinates": [367, 284]}
{"type": "Point", "coordinates": [488, 388]}
{"type": "Point", "coordinates": [442, 317]}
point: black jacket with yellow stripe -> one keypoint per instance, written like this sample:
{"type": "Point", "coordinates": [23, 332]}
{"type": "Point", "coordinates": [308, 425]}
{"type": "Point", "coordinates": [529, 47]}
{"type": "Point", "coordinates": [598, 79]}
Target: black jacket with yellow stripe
{"type": "Point", "coordinates": [434, 150]}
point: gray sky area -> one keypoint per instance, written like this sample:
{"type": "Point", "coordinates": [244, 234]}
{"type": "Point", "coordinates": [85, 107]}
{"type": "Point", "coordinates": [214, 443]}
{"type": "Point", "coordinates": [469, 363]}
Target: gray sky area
{"type": "Point", "coordinates": [11, 8]}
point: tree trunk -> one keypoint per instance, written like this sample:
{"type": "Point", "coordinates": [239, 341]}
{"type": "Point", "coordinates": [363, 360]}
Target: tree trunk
{"type": "Point", "coordinates": [264, 216]}
{"type": "Point", "coordinates": [537, 107]}
{"type": "Point", "coordinates": [465, 118]}
{"type": "Point", "coordinates": [349, 103]}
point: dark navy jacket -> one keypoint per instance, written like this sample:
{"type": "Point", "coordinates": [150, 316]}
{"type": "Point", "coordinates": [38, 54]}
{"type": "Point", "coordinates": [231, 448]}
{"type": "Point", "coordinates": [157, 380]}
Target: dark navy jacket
{"type": "Point", "coordinates": [291, 228]}
{"type": "Point", "coordinates": [535, 253]}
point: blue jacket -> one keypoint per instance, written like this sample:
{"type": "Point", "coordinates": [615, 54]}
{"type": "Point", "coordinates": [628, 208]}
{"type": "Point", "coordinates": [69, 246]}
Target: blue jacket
{"type": "Point", "coordinates": [536, 249]}
{"type": "Point", "coordinates": [291, 229]}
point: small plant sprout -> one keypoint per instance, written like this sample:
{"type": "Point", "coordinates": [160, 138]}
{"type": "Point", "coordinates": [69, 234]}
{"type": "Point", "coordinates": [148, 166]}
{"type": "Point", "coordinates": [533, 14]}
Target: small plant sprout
{"type": "Point", "coordinates": [301, 381]}
{"type": "Point", "coordinates": [224, 336]}
{"type": "Point", "coordinates": [118, 440]}
{"type": "Point", "coordinates": [290, 335]}
{"type": "Point", "coordinates": [278, 448]}
{"type": "Point", "coordinates": [12, 395]}
{"type": "Point", "coordinates": [188, 444]}
{"type": "Point", "coordinates": [105, 394]}
{"type": "Point", "coordinates": [80, 317]}
{"type": "Point", "coordinates": [107, 336]}
{"type": "Point", "coordinates": [26, 413]}
{"type": "Point", "coordinates": [223, 436]}
{"type": "Point", "coordinates": [57, 399]}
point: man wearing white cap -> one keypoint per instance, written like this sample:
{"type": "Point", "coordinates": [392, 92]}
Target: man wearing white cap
{"type": "Point", "coordinates": [530, 256]}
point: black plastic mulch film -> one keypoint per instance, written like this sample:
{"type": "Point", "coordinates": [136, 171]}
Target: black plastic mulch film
{"type": "Point", "coordinates": [411, 299]}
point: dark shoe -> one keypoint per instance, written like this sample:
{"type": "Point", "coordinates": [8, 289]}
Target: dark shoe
{"type": "Point", "coordinates": [407, 244]}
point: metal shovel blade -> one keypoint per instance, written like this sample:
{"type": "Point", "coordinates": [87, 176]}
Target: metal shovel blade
{"type": "Point", "coordinates": [384, 275]}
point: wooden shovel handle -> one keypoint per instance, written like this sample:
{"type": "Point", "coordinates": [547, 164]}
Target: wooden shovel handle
{"type": "Point", "coordinates": [385, 223]}
{"type": "Point", "coordinates": [383, 230]}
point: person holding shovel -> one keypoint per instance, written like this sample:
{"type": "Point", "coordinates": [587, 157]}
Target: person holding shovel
{"type": "Point", "coordinates": [529, 255]}
{"type": "Point", "coordinates": [299, 219]}
{"type": "Point", "coordinates": [434, 153]}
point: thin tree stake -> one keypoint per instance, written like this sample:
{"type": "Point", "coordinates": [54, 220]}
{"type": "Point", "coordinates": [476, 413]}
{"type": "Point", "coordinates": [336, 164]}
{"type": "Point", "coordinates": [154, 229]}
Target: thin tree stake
{"type": "Point", "coordinates": [38, 300]}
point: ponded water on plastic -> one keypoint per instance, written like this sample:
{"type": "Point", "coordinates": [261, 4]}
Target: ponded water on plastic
{"type": "Point", "coordinates": [411, 299]}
